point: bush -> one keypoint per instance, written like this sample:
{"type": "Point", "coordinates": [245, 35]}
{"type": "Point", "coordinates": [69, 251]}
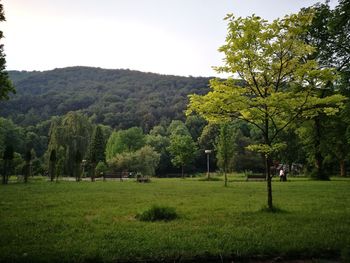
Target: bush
{"type": "Point", "coordinates": [158, 213]}
{"type": "Point", "coordinates": [101, 167]}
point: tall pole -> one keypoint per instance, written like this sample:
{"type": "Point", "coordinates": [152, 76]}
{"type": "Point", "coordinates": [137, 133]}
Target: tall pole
{"type": "Point", "coordinates": [208, 170]}
{"type": "Point", "coordinates": [208, 166]}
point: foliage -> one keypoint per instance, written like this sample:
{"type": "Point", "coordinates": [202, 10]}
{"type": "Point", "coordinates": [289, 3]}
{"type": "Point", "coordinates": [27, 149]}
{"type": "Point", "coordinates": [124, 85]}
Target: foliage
{"type": "Point", "coordinates": [159, 142]}
{"type": "Point", "coordinates": [226, 149]}
{"type": "Point", "coordinates": [128, 140]}
{"type": "Point", "coordinates": [97, 146]}
{"type": "Point", "coordinates": [7, 163]}
{"type": "Point", "coordinates": [28, 159]}
{"type": "Point", "coordinates": [117, 98]}
{"type": "Point", "coordinates": [279, 80]}
{"type": "Point", "coordinates": [72, 132]}
{"type": "Point", "coordinates": [329, 33]}
{"type": "Point", "coordinates": [183, 150]}
{"type": "Point", "coordinates": [12, 134]}
{"type": "Point", "coordinates": [158, 213]}
{"type": "Point", "coordinates": [195, 125]}
{"type": "Point", "coordinates": [101, 168]}
{"type": "Point", "coordinates": [77, 166]}
{"type": "Point", "coordinates": [178, 127]}
{"type": "Point", "coordinates": [52, 164]}
{"type": "Point", "coordinates": [144, 161]}
{"type": "Point", "coordinates": [61, 161]}
{"type": "Point", "coordinates": [147, 160]}
{"type": "Point", "coordinates": [5, 83]}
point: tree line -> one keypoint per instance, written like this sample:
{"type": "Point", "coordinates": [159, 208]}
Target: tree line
{"type": "Point", "coordinates": [290, 104]}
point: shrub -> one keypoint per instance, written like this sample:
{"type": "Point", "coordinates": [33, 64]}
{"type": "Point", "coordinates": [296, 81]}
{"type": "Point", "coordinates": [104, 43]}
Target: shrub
{"type": "Point", "coordinates": [158, 213]}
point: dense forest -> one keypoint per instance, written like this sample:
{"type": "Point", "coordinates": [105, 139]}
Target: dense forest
{"type": "Point", "coordinates": [61, 109]}
{"type": "Point", "coordinates": [118, 98]}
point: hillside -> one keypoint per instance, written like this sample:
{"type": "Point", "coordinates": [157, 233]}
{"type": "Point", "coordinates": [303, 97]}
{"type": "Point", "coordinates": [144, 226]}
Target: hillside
{"type": "Point", "coordinates": [119, 98]}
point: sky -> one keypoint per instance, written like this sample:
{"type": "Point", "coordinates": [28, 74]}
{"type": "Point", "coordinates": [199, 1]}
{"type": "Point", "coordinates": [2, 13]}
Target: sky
{"type": "Point", "coordinates": [176, 37]}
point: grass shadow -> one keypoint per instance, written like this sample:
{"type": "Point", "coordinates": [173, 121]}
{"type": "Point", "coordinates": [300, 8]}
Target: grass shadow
{"type": "Point", "coordinates": [273, 210]}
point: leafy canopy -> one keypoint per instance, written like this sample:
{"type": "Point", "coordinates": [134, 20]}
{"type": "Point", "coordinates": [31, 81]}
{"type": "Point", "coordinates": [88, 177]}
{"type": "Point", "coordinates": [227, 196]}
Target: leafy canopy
{"type": "Point", "coordinates": [277, 79]}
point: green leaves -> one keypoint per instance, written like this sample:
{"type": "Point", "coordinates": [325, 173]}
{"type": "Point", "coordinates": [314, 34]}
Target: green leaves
{"type": "Point", "coordinates": [267, 149]}
{"type": "Point", "coordinates": [280, 81]}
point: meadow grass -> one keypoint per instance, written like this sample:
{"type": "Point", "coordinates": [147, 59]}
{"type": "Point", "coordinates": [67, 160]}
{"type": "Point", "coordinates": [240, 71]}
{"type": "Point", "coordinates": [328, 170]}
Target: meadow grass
{"type": "Point", "coordinates": [95, 222]}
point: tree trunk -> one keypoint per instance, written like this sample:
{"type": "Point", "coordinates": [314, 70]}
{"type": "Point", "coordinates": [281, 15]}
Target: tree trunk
{"type": "Point", "coordinates": [52, 170]}
{"type": "Point", "coordinates": [320, 174]}
{"type": "Point", "coordinates": [268, 180]}
{"type": "Point", "coordinates": [208, 171]}
{"type": "Point", "coordinates": [93, 167]}
{"type": "Point", "coordinates": [5, 172]}
{"type": "Point", "coordinates": [225, 178]}
{"type": "Point", "coordinates": [290, 169]}
{"type": "Point", "coordinates": [268, 163]}
{"type": "Point", "coordinates": [26, 172]}
{"type": "Point", "coordinates": [342, 167]}
{"type": "Point", "coordinates": [182, 172]}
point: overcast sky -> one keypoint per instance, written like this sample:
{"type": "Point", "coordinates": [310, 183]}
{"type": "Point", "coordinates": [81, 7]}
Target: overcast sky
{"type": "Point", "coordinates": [178, 37]}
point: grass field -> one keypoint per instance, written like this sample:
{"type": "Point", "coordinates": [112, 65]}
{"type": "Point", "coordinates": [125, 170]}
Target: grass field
{"type": "Point", "coordinates": [95, 222]}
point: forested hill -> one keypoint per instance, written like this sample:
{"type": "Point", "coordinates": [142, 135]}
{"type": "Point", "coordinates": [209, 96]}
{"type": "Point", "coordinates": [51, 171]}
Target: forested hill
{"type": "Point", "coordinates": [119, 98]}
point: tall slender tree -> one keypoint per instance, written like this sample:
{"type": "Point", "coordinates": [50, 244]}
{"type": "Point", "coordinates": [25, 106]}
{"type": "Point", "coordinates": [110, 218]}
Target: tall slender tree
{"type": "Point", "coordinates": [183, 151]}
{"type": "Point", "coordinates": [52, 165]}
{"type": "Point", "coordinates": [225, 148]}
{"type": "Point", "coordinates": [7, 165]}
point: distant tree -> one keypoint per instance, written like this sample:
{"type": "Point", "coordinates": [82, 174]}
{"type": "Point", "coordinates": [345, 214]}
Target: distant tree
{"type": "Point", "coordinates": [158, 130]}
{"type": "Point", "coordinates": [329, 33]}
{"type": "Point", "coordinates": [7, 163]}
{"type": "Point", "coordinates": [72, 132]}
{"type": "Point", "coordinates": [52, 165]}
{"type": "Point", "coordinates": [124, 141]}
{"type": "Point", "coordinates": [183, 151]}
{"type": "Point", "coordinates": [5, 84]}
{"type": "Point", "coordinates": [177, 127]}
{"type": "Point", "coordinates": [195, 125]}
{"type": "Point", "coordinates": [101, 168]}
{"type": "Point", "coordinates": [144, 161]}
{"type": "Point", "coordinates": [27, 171]}
{"type": "Point", "coordinates": [97, 145]}
{"type": "Point", "coordinates": [147, 160]}
{"type": "Point", "coordinates": [294, 152]}
{"type": "Point", "coordinates": [122, 162]}
{"type": "Point", "coordinates": [160, 143]}
{"type": "Point", "coordinates": [11, 134]}
{"type": "Point", "coordinates": [226, 148]}
{"type": "Point", "coordinates": [96, 150]}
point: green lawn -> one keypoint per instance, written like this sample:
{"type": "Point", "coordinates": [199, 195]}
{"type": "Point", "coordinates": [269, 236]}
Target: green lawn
{"type": "Point", "coordinates": [95, 222]}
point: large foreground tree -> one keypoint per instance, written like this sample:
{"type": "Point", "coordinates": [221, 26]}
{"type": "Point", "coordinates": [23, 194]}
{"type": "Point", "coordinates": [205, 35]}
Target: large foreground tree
{"type": "Point", "coordinates": [279, 81]}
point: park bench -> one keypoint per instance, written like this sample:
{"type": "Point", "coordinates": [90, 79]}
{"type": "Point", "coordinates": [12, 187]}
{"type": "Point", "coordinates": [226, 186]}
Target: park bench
{"type": "Point", "coordinates": [117, 175]}
{"type": "Point", "coordinates": [256, 177]}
